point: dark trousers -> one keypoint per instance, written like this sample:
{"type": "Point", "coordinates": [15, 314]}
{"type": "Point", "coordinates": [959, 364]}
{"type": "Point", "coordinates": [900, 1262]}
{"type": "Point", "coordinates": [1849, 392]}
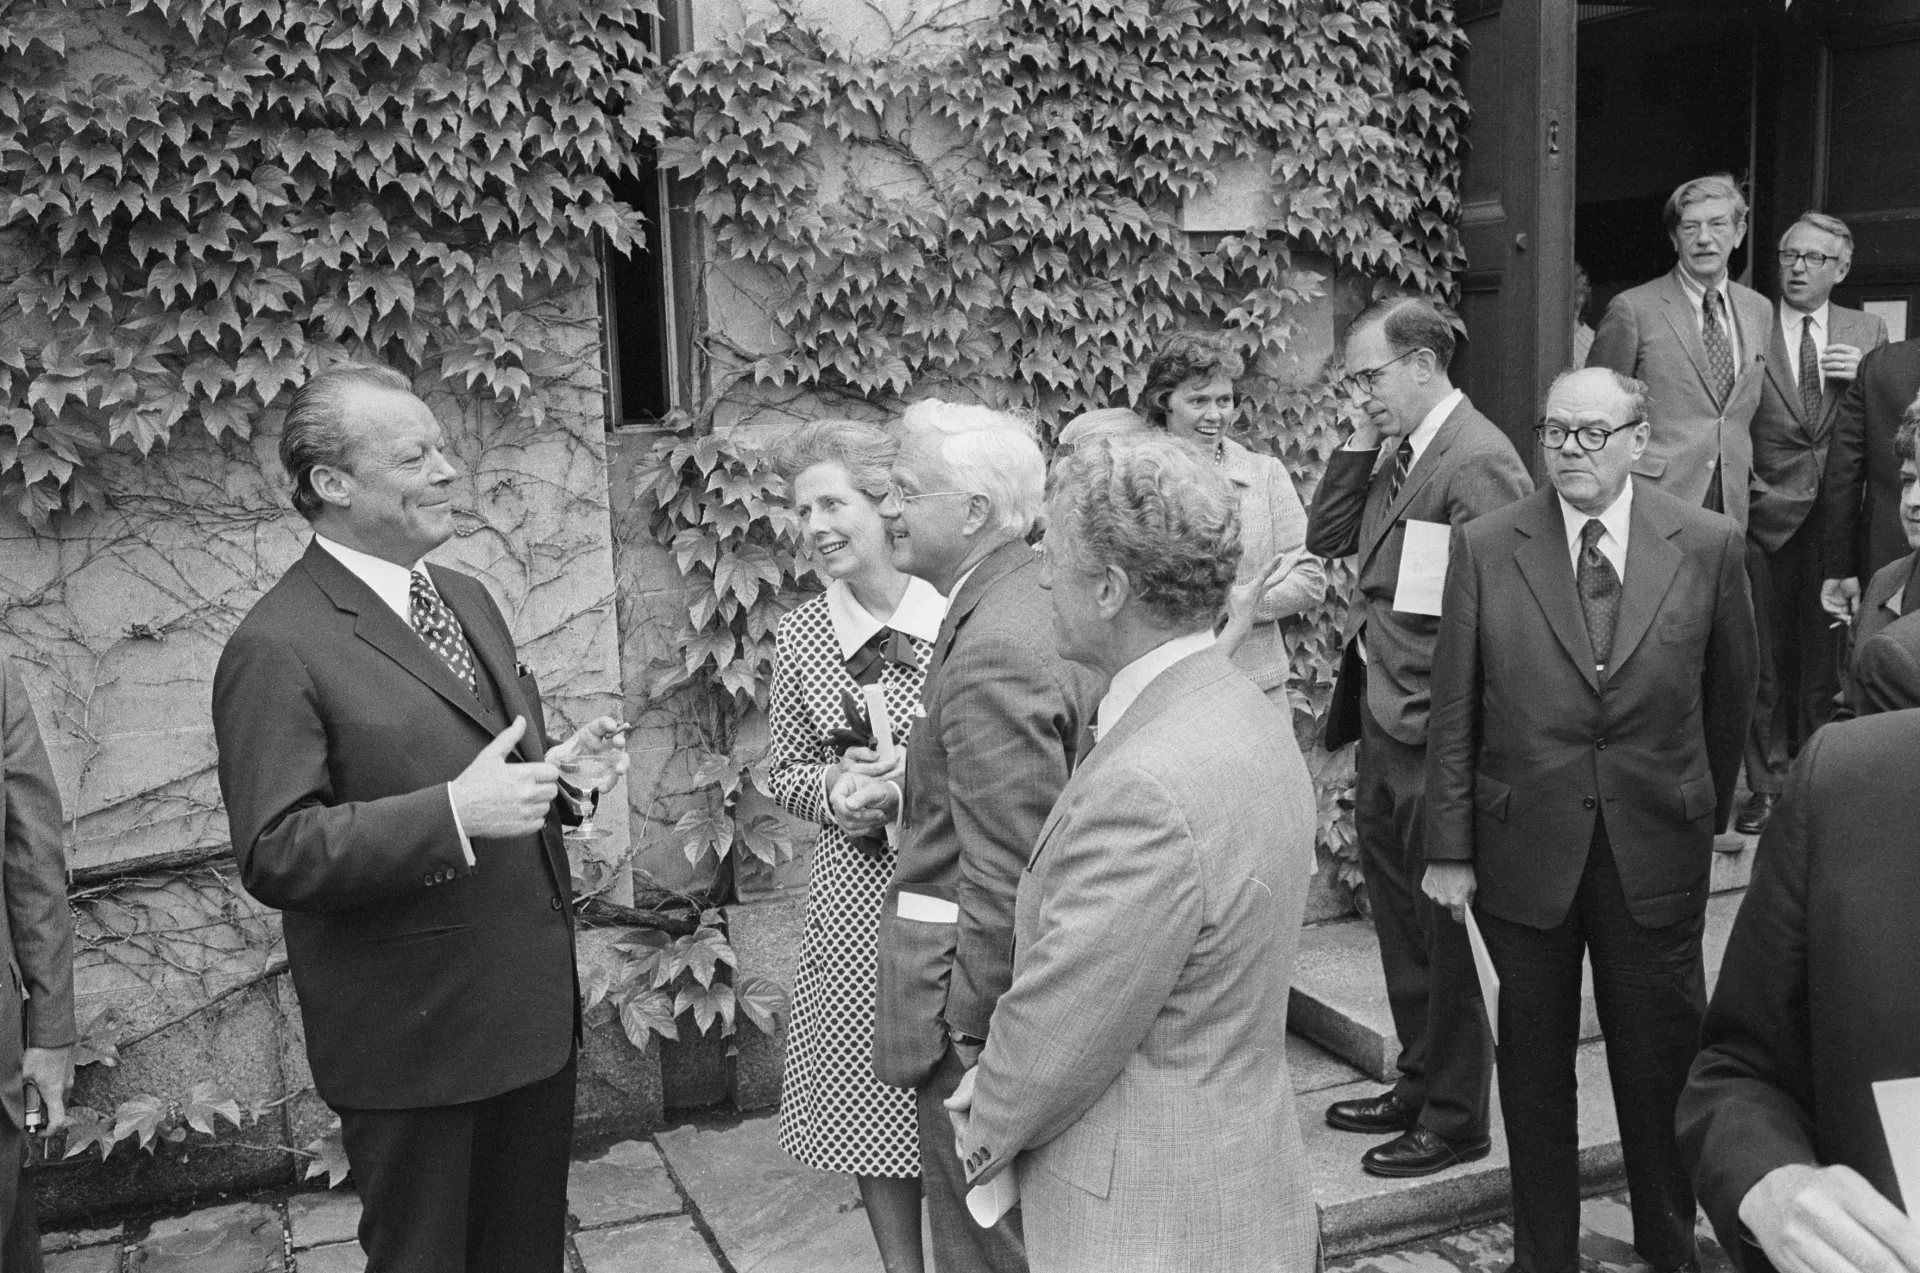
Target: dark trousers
{"type": "Point", "coordinates": [19, 1228]}
{"type": "Point", "coordinates": [1446, 1058]}
{"type": "Point", "coordinates": [473, 1188]}
{"type": "Point", "coordinates": [1799, 653]}
{"type": "Point", "coordinates": [959, 1245]}
{"type": "Point", "coordinates": [1650, 987]}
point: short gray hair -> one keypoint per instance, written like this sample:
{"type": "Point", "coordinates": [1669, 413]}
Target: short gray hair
{"type": "Point", "coordinates": [1158, 508]}
{"type": "Point", "coordinates": [864, 450]}
{"type": "Point", "coordinates": [1106, 422]}
{"type": "Point", "coordinates": [1826, 224]}
{"type": "Point", "coordinates": [1635, 391]}
{"type": "Point", "coordinates": [989, 452]}
{"type": "Point", "coordinates": [316, 431]}
{"type": "Point", "coordinates": [1720, 185]}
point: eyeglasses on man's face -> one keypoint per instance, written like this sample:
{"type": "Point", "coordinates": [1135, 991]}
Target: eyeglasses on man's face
{"type": "Point", "coordinates": [1589, 437]}
{"type": "Point", "coordinates": [902, 497]}
{"type": "Point", "coordinates": [1814, 260]}
{"type": "Point", "coordinates": [1367, 377]}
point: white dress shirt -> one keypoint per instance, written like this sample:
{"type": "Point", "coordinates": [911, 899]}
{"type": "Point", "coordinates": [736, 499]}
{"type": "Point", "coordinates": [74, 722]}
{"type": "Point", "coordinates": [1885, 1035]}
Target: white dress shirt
{"type": "Point", "coordinates": [1790, 321]}
{"type": "Point", "coordinates": [1697, 299]}
{"type": "Point", "coordinates": [394, 585]}
{"type": "Point", "coordinates": [1130, 680]}
{"type": "Point", "coordinates": [1613, 542]}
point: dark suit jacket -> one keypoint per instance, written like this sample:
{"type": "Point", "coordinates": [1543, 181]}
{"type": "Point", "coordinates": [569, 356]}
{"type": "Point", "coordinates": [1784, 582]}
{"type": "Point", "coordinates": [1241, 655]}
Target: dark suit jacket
{"type": "Point", "coordinates": [1468, 469]}
{"type": "Point", "coordinates": [1899, 578]}
{"type": "Point", "coordinates": [1815, 1001]}
{"type": "Point", "coordinates": [1862, 484]}
{"type": "Point", "coordinates": [1886, 670]}
{"type": "Point", "coordinates": [1651, 333]}
{"type": "Point", "coordinates": [422, 982]}
{"type": "Point", "coordinates": [36, 928]}
{"type": "Point", "coordinates": [1527, 745]}
{"type": "Point", "coordinates": [1004, 720]}
{"type": "Point", "coordinates": [1789, 450]}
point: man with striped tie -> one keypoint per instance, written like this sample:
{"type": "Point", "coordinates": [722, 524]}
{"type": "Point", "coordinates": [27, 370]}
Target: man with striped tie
{"type": "Point", "coordinates": [390, 788]}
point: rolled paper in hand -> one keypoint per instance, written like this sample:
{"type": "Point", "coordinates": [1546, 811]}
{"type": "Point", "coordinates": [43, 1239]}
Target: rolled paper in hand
{"type": "Point", "coordinates": [882, 722]}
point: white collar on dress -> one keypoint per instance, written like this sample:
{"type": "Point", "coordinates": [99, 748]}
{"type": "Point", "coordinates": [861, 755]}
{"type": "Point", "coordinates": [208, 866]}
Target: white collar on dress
{"type": "Point", "coordinates": [919, 614]}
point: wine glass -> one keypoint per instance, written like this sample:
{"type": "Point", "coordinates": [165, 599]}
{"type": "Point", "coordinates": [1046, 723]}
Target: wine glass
{"type": "Point", "coordinates": [590, 771]}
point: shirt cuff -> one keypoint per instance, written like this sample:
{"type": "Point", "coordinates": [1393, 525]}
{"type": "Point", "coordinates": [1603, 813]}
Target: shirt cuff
{"type": "Point", "coordinates": [466, 845]}
{"type": "Point", "coordinates": [1349, 446]}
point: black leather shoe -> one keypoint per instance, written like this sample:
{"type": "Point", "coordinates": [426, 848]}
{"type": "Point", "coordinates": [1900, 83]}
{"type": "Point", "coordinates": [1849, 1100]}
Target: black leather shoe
{"type": "Point", "coordinates": [1754, 814]}
{"type": "Point", "coordinates": [1379, 1114]}
{"type": "Point", "coordinates": [1421, 1153]}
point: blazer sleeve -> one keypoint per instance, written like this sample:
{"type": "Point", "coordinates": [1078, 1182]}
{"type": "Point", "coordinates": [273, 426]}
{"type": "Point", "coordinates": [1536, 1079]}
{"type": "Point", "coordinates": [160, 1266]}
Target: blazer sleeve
{"type": "Point", "coordinates": [1844, 488]}
{"type": "Point", "coordinates": [1120, 915]}
{"type": "Point", "coordinates": [1004, 726]}
{"type": "Point", "coordinates": [36, 872]}
{"type": "Point", "coordinates": [1333, 525]}
{"type": "Point", "coordinates": [299, 846]}
{"type": "Point", "coordinates": [1730, 675]}
{"type": "Point", "coordinates": [1616, 342]}
{"type": "Point", "coordinates": [1453, 725]}
{"type": "Point", "coordinates": [1748, 1104]}
{"type": "Point", "coordinates": [1306, 584]}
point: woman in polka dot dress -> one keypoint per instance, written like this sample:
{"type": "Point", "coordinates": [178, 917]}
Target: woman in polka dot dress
{"type": "Point", "coordinates": [873, 625]}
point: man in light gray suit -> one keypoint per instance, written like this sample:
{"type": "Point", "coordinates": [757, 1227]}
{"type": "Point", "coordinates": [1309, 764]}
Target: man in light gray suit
{"type": "Point", "coordinates": [1136, 1074]}
{"type": "Point", "coordinates": [1699, 342]}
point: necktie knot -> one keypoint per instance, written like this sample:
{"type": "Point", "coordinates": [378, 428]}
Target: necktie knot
{"type": "Point", "coordinates": [1402, 465]}
{"type": "Point", "coordinates": [1590, 535]}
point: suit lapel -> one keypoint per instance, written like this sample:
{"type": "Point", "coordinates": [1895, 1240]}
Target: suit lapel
{"type": "Point", "coordinates": [494, 654]}
{"type": "Point", "coordinates": [1652, 562]}
{"type": "Point", "coordinates": [1680, 318]}
{"type": "Point", "coordinates": [1548, 569]}
{"type": "Point", "coordinates": [1421, 473]}
{"type": "Point", "coordinates": [1780, 368]}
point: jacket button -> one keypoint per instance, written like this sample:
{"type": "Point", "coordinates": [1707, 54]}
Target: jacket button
{"type": "Point", "coordinates": [1602, 744]}
{"type": "Point", "coordinates": [430, 881]}
{"type": "Point", "coordinates": [554, 903]}
{"type": "Point", "coordinates": [1586, 802]}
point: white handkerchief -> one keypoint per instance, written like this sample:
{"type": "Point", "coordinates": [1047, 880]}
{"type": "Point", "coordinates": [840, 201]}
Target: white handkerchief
{"type": "Point", "coordinates": [926, 910]}
{"type": "Point", "coordinates": [1899, 1102]}
{"type": "Point", "coordinates": [1423, 567]}
{"type": "Point", "coordinates": [1489, 979]}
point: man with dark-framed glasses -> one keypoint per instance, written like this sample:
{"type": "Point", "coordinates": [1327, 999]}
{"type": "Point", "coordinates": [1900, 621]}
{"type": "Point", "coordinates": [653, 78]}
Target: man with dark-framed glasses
{"type": "Point", "coordinates": [1591, 687]}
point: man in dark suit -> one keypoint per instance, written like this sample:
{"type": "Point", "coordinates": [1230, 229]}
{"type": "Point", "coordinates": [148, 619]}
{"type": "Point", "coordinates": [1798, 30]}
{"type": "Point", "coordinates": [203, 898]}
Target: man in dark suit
{"type": "Point", "coordinates": [1814, 351]}
{"type": "Point", "coordinates": [1815, 1004]}
{"type": "Point", "coordinates": [1894, 590]}
{"type": "Point", "coordinates": [1861, 491]}
{"type": "Point", "coordinates": [1005, 718]}
{"type": "Point", "coordinates": [1444, 464]}
{"type": "Point", "coordinates": [36, 935]}
{"type": "Point", "coordinates": [1699, 341]}
{"type": "Point", "coordinates": [390, 788]}
{"type": "Point", "coordinates": [1591, 689]}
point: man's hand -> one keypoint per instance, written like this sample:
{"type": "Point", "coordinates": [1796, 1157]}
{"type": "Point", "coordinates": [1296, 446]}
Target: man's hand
{"type": "Point", "coordinates": [51, 1071]}
{"type": "Point", "coordinates": [495, 797]}
{"type": "Point", "coordinates": [862, 805]}
{"type": "Point", "coordinates": [866, 762]}
{"type": "Point", "coordinates": [962, 1099]}
{"type": "Point", "coordinates": [1840, 362]}
{"type": "Point", "coordinates": [1244, 600]}
{"type": "Point", "coordinates": [1840, 597]}
{"type": "Point", "coordinates": [1828, 1220]}
{"type": "Point", "coordinates": [1451, 884]}
{"type": "Point", "coordinates": [1366, 435]}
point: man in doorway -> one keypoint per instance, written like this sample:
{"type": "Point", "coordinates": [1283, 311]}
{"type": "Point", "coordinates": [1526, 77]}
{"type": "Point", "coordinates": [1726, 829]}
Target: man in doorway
{"type": "Point", "coordinates": [1443, 464]}
{"type": "Point", "coordinates": [1591, 689]}
{"type": "Point", "coordinates": [1698, 340]}
{"type": "Point", "coordinates": [1894, 591]}
{"type": "Point", "coordinates": [1862, 491]}
{"type": "Point", "coordinates": [1812, 354]}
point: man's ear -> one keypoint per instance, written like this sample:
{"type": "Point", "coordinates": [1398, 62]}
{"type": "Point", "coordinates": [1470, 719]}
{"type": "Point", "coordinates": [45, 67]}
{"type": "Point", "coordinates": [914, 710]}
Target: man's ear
{"type": "Point", "coordinates": [1115, 588]}
{"type": "Point", "coordinates": [979, 514]}
{"type": "Point", "coordinates": [331, 485]}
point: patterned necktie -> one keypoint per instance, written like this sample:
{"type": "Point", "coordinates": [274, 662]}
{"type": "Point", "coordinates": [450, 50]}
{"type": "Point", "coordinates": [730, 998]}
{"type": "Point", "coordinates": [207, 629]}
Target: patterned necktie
{"type": "Point", "coordinates": [440, 630]}
{"type": "Point", "coordinates": [1599, 591]}
{"type": "Point", "coordinates": [1809, 372]}
{"type": "Point", "coordinates": [1719, 349]}
{"type": "Point", "coordinates": [1402, 465]}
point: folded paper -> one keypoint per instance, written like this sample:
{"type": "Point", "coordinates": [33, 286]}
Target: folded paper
{"type": "Point", "coordinates": [1423, 567]}
{"type": "Point", "coordinates": [926, 910]}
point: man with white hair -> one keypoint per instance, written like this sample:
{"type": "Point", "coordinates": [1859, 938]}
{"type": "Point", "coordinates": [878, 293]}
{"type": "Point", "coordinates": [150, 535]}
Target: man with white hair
{"type": "Point", "coordinates": [1004, 719]}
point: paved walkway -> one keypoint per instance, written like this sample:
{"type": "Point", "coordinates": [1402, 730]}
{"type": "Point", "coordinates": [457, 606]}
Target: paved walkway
{"type": "Point", "coordinates": [709, 1197]}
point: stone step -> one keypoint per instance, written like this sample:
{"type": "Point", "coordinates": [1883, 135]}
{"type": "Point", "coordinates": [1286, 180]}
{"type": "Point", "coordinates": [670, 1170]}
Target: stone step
{"type": "Point", "coordinates": [1339, 995]}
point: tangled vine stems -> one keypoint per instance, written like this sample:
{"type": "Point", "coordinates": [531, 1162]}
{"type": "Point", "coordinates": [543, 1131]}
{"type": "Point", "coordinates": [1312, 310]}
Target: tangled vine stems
{"type": "Point", "coordinates": [252, 187]}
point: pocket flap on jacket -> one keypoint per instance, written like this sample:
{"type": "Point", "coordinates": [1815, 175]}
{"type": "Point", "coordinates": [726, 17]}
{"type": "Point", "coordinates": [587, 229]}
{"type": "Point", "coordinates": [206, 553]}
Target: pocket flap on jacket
{"type": "Point", "coordinates": [1490, 796]}
{"type": "Point", "coordinates": [1083, 1157]}
{"type": "Point", "coordinates": [1696, 798]}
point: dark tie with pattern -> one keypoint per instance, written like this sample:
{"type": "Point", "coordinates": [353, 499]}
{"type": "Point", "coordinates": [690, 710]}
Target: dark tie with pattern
{"type": "Point", "coordinates": [1402, 465]}
{"type": "Point", "coordinates": [439, 629]}
{"type": "Point", "coordinates": [1599, 591]}
{"type": "Point", "coordinates": [1809, 372]}
{"type": "Point", "coordinates": [1713, 334]}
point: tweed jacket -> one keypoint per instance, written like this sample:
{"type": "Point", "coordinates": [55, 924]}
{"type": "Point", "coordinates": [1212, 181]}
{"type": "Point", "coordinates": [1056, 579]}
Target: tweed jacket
{"type": "Point", "coordinates": [1468, 469]}
{"type": "Point", "coordinates": [1137, 1066]}
{"type": "Point", "coordinates": [36, 928]}
{"type": "Point", "coordinates": [1271, 522]}
{"type": "Point", "coordinates": [1789, 450]}
{"type": "Point", "coordinates": [1650, 332]}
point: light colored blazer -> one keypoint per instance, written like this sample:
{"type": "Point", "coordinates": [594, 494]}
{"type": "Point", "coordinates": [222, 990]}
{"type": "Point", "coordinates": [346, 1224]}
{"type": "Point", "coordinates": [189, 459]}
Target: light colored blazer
{"type": "Point", "coordinates": [1137, 1064]}
{"type": "Point", "coordinates": [1651, 334]}
{"type": "Point", "coordinates": [1272, 521]}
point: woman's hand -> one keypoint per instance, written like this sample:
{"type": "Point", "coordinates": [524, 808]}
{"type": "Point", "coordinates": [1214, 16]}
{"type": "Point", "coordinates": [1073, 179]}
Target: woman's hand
{"type": "Point", "coordinates": [1243, 602]}
{"type": "Point", "coordinates": [866, 762]}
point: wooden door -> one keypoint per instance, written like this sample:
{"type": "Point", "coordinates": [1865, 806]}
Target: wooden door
{"type": "Point", "coordinates": [1516, 222]}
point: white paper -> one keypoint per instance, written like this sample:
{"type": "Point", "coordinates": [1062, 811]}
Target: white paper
{"type": "Point", "coordinates": [1489, 979]}
{"type": "Point", "coordinates": [1423, 567]}
{"type": "Point", "coordinates": [926, 910]}
{"type": "Point", "coordinates": [881, 719]}
{"type": "Point", "coordinates": [986, 1203]}
{"type": "Point", "coordinates": [1899, 1102]}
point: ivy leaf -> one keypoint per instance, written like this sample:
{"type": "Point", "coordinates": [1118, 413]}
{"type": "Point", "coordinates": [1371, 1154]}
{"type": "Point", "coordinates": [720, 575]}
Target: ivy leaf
{"type": "Point", "coordinates": [763, 999]}
{"type": "Point", "coordinates": [87, 1127]}
{"type": "Point", "coordinates": [207, 1101]}
{"type": "Point", "coordinates": [704, 831]}
{"type": "Point", "coordinates": [98, 1044]}
{"type": "Point", "coordinates": [766, 837]}
{"type": "Point", "coordinates": [697, 954]}
{"type": "Point", "coordinates": [327, 1155]}
{"type": "Point", "coordinates": [706, 1003]}
{"type": "Point", "coordinates": [645, 1012]}
{"type": "Point", "coordinates": [144, 1116]}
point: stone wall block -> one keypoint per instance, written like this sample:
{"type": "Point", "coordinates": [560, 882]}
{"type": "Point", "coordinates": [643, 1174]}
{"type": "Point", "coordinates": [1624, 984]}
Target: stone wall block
{"type": "Point", "coordinates": [766, 935]}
